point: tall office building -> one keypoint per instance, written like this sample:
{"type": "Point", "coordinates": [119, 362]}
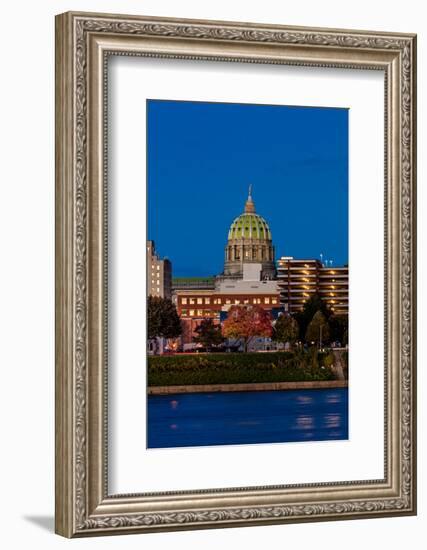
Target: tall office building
{"type": "Point", "coordinates": [159, 274]}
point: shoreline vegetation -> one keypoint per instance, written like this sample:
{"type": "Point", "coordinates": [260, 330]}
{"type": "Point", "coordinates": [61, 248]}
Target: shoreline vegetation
{"type": "Point", "coordinates": [306, 368]}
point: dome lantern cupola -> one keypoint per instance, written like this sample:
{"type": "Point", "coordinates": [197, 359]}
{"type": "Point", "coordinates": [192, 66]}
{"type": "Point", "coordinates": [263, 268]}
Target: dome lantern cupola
{"type": "Point", "coordinates": [250, 206]}
{"type": "Point", "coordinates": [249, 241]}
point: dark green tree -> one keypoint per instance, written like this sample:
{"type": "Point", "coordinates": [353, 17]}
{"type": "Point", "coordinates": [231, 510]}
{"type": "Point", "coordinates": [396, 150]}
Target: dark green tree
{"type": "Point", "coordinates": [162, 318]}
{"type": "Point", "coordinates": [208, 334]}
{"type": "Point", "coordinates": [345, 338]}
{"type": "Point", "coordinates": [285, 330]}
{"type": "Point", "coordinates": [339, 327]}
{"type": "Point", "coordinates": [311, 307]}
{"type": "Point", "coordinates": [318, 329]}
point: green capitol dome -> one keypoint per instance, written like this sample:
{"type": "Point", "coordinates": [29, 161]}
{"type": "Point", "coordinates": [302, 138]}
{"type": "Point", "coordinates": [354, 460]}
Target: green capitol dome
{"type": "Point", "coordinates": [249, 241]}
{"type": "Point", "coordinates": [248, 226]}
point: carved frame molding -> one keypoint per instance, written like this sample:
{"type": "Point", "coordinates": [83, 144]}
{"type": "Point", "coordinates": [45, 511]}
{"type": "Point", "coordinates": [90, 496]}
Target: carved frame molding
{"type": "Point", "coordinates": [83, 43]}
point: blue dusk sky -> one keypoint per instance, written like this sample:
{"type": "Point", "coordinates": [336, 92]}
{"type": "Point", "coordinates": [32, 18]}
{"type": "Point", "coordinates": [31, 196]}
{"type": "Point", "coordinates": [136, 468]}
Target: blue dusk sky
{"type": "Point", "coordinates": [201, 158]}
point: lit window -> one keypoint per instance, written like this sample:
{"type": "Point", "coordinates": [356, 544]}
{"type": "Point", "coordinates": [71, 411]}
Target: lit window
{"type": "Point", "coordinates": [228, 301]}
{"type": "Point", "coordinates": [152, 281]}
{"type": "Point", "coordinates": [274, 300]}
{"type": "Point", "coordinates": [246, 301]}
{"type": "Point", "coordinates": [199, 313]}
{"type": "Point", "coordinates": [266, 300]}
{"type": "Point", "coordinates": [158, 267]}
{"type": "Point", "coordinates": [200, 300]}
{"type": "Point", "coordinates": [237, 301]}
{"type": "Point", "coordinates": [184, 312]}
{"type": "Point", "coordinates": [207, 300]}
{"type": "Point", "coordinates": [191, 312]}
{"type": "Point", "coordinates": [183, 300]}
{"type": "Point", "coordinates": [192, 301]}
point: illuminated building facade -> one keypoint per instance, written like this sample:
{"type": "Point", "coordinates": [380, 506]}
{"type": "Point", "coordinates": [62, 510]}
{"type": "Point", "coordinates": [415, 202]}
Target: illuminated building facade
{"type": "Point", "coordinates": [195, 305]}
{"type": "Point", "coordinates": [298, 280]}
{"type": "Point", "coordinates": [159, 274]}
{"type": "Point", "coordinates": [249, 242]}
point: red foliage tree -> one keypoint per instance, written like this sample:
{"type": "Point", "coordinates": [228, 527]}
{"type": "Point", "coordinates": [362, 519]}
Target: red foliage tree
{"type": "Point", "coordinates": [247, 322]}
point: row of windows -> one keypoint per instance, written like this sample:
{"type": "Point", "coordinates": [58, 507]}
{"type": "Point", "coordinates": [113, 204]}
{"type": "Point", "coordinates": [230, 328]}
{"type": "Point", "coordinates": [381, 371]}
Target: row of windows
{"type": "Point", "coordinates": [197, 313]}
{"type": "Point", "coordinates": [218, 301]}
{"type": "Point", "coordinates": [193, 301]}
{"type": "Point", "coordinates": [248, 255]}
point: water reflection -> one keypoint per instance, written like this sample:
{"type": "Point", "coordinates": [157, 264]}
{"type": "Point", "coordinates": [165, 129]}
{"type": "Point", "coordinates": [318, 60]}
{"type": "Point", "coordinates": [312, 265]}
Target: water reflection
{"type": "Point", "coordinates": [333, 398]}
{"type": "Point", "coordinates": [304, 399]}
{"type": "Point", "coordinates": [247, 417]}
{"type": "Point", "coordinates": [304, 422]}
{"type": "Point", "coordinates": [332, 420]}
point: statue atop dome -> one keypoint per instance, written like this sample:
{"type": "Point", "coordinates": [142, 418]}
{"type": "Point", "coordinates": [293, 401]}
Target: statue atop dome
{"type": "Point", "coordinates": [250, 206]}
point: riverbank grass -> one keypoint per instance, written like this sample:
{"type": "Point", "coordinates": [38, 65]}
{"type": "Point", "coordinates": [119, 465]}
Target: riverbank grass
{"type": "Point", "coordinates": [239, 368]}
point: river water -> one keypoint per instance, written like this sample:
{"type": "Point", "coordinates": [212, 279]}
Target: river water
{"type": "Point", "coordinates": [230, 418]}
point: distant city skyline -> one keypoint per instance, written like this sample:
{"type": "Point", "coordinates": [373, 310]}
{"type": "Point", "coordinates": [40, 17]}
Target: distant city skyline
{"type": "Point", "coordinates": [202, 157]}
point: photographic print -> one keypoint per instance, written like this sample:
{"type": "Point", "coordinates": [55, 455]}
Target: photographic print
{"type": "Point", "coordinates": [247, 273]}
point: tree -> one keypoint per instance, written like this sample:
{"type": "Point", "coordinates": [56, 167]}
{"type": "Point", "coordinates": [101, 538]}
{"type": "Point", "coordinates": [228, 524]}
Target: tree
{"type": "Point", "coordinates": [318, 329]}
{"type": "Point", "coordinates": [162, 319]}
{"type": "Point", "coordinates": [285, 330]}
{"type": "Point", "coordinates": [311, 306]}
{"type": "Point", "coordinates": [208, 334]}
{"type": "Point", "coordinates": [246, 322]}
{"type": "Point", "coordinates": [345, 338]}
{"type": "Point", "coordinates": [339, 327]}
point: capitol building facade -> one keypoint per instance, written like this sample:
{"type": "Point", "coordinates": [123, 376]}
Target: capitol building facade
{"type": "Point", "coordinates": [249, 242]}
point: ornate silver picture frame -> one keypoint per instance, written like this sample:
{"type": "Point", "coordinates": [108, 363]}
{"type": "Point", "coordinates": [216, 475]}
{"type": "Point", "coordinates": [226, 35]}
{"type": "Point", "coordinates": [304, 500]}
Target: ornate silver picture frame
{"type": "Point", "coordinates": [84, 505]}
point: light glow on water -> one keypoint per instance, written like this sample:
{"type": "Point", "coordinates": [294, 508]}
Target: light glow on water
{"type": "Point", "coordinates": [230, 418]}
